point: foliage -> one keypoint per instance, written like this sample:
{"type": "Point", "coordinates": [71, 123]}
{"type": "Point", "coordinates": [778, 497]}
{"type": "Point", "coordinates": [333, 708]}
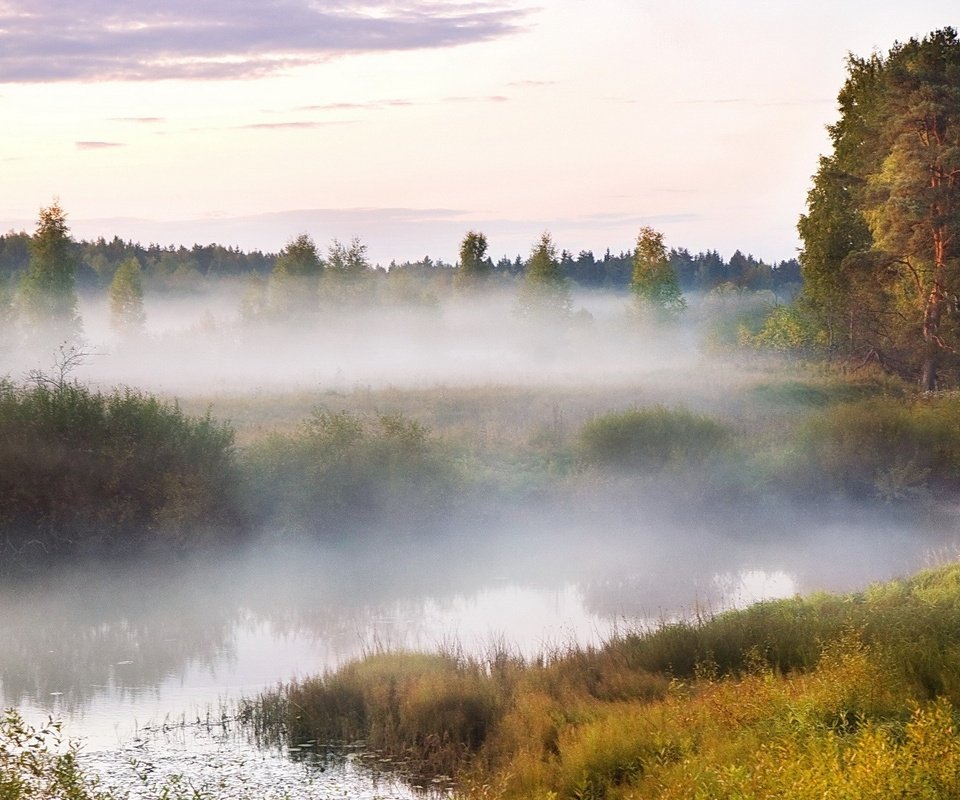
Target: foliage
{"type": "Point", "coordinates": [786, 329]}
{"type": "Point", "coordinates": [126, 299]}
{"type": "Point", "coordinates": [544, 291]}
{"type": "Point", "coordinates": [880, 260]}
{"type": "Point", "coordinates": [654, 282]}
{"type": "Point", "coordinates": [650, 438]}
{"type": "Point", "coordinates": [83, 471]}
{"type": "Point", "coordinates": [342, 469]}
{"type": "Point", "coordinates": [47, 292]}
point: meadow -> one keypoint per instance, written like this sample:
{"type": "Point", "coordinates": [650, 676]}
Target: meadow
{"type": "Point", "coordinates": [853, 694]}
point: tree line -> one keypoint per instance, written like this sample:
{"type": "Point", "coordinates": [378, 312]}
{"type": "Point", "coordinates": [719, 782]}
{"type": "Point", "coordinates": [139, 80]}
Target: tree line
{"type": "Point", "coordinates": [184, 269]}
{"type": "Point", "coordinates": [881, 234]}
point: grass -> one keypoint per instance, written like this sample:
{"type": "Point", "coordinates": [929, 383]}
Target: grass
{"type": "Point", "coordinates": [847, 696]}
{"type": "Point", "coordinates": [653, 438]}
{"type": "Point", "coordinates": [84, 471]}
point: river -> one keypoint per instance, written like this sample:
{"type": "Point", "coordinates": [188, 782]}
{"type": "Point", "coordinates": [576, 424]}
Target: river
{"type": "Point", "coordinates": [143, 664]}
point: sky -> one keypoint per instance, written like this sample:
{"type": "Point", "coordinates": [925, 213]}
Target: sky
{"type": "Point", "coordinates": [407, 123]}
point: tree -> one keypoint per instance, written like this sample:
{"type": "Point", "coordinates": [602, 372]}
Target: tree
{"type": "Point", "coordinates": [654, 282]}
{"type": "Point", "coordinates": [346, 278]}
{"type": "Point", "coordinates": [47, 291]}
{"type": "Point", "coordinates": [544, 291]}
{"type": "Point", "coordinates": [475, 267]}
{"type": "Point", "coordinates": [881, 255]}
{"type": "Point", "coordinates": [126, 298]}
{"type": "Point", "coordinates": [350, 262]}
{"type": "Point", "coordinates": [295, 278]}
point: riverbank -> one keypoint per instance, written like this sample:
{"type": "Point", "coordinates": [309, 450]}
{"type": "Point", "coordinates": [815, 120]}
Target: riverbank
{"type": "Point", "coordinates": [852, 694]}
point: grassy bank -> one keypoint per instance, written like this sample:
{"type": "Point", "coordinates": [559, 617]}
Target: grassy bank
{"type": "Point", "coordinates": [849, 696]}
{"type": "Point", "coordinates": [123, 472]}
{"type": "Point", "coordinates": [83, 471]}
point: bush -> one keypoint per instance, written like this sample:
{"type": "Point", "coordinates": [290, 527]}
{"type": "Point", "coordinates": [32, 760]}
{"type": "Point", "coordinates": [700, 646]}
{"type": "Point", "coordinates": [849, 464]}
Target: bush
{"type": "Point", "coordinates": [650, 438]}
{"type": "Point", "coordinates": [342, 468]}
{"type": "Point", "coordinates": [82, 471]}
{"type": "Point", "coordinates": [881, 448]}
{"type": "Point", "coordinates": [33, 764]}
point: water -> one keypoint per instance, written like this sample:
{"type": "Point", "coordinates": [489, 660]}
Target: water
{"type": "Point", "coordinates": [144, 665]}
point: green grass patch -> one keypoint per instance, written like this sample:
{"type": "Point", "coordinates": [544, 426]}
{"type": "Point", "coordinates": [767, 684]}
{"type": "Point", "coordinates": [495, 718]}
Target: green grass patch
{"type": "Point", "coordinates": [853, 696]}
{"type": "Point", "coordinates": [85, 471]}
{"type": "Point", "coordinates": [653, 438]}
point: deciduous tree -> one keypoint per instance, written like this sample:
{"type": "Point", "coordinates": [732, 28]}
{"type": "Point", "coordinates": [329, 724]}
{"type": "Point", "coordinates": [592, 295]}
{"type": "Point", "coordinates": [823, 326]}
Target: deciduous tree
{"type": "Point", "coordinates": [544, 291]}
{"type": "Point", "coordinates": [127, 315]}
{"type": "Point", "coordinates": [295, 278]}
{"type": "Point", "coordinates": [654, 282]}
{"type": "Point", "coordinates": [474, 267]}
{"type": "Point", "coordinates": [47, 291]}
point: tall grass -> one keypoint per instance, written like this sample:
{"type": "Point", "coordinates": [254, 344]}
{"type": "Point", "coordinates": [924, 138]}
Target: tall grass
{"type": "Point", "coordinates": [651, 438]}
{"type": "Point", "coordinates": [892, 449]}
{"type": "Point", "coordinates": [849, 696]}
{"type": "Point", "coordinates": [84, 471]}
{"type": "Point", "coordinates": [342, 470]}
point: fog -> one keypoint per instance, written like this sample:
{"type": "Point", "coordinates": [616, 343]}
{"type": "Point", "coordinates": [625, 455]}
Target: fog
{"type": "Point", "coordinates": [525, 548]}
{"type": "Point", "coordinates": [201, 344]}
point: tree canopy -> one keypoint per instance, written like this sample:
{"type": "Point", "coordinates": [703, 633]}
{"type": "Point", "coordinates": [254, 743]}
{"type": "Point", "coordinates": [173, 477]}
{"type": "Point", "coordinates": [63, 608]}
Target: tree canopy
{"type": "Point", "coordinates": [544, 290]}
{"type": "Point", "coordinates": [475, 266]}
{"type": "Point", "coordinates": [881, 256]}
{"type": "Point", "coordinates": [654, 282]}
{"type": "Point", "coordinates": [47, 290]}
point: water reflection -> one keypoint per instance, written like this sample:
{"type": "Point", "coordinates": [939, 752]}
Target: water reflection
{"type": "Point", "coordinates": [114, 651]}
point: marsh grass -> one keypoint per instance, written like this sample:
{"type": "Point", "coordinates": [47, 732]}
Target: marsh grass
{"type": "Point", "coordinates": [853, 696]}
{"type": "Point", "coordinates": [84, 471]}
{"type": "Point", "coordinates": [653, 438]}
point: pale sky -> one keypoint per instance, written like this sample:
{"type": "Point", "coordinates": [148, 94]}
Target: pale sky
{"type": "Point", "coordinates": [409, 122]}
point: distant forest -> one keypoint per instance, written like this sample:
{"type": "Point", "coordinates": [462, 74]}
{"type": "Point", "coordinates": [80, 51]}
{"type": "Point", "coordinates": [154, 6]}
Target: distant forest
{"type": "Point", "coordinates": [181, 269]}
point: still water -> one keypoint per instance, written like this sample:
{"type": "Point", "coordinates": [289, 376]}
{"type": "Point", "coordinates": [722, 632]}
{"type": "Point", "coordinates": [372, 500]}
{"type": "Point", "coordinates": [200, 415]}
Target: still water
{"type": "Point", "coordinates": [144, 665]}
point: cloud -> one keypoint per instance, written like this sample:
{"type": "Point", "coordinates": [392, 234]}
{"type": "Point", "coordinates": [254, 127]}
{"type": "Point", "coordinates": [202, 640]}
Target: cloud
{"type": "Point", "coordinates": [531, 83]}
{"type": "Point", "coordinates": [293, 125]}
{"type": "Point", "coordinates": [142, 120]}
{"type": "Point", "coordinates": [493, 98]}
{"type": "Point", "coordinates": [372, 104]}
{"type": "Point", "coordinates": [98, 145]}
{"type": "Point", "coordinates": [99, 40]}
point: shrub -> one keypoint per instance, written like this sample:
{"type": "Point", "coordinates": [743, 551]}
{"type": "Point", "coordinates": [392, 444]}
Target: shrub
{"type": "Point", "coordinates": [342, 468]}
{"type": "Point", "coordinates": [881, 448]}
{"type": "Point", "coordinates": [650, 438]}
{"type": "Point", "coordinates": [33, 764]}
{"type": "Point", "coordinates": [87, 471]}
